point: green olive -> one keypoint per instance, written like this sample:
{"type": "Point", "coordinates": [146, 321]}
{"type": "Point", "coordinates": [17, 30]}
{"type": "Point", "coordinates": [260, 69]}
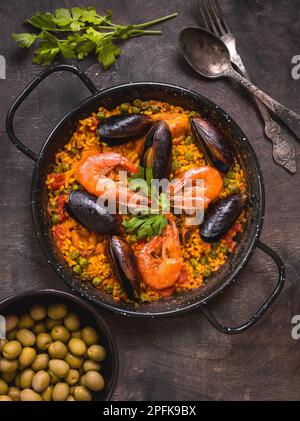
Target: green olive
{"type": "Point", "coordinates": [11, 336]}
{"type": "Point", "coordinates": [8, 366]}
{"type": "Point", "coordinates": [94, 381]}
{"type": "Point", "coordinates": [40, 381]}
{"type": "Point", "coordinates": [77, 347]}
{"type": "Point", "coordinates": [11, 322]}
{"type": "Point", "coordinates": [41, 362]}
{"type": "Point", "coordinates": [57, 311]}
{"type": "Point", "coordinates": [72, 377]}
{"type": "Point", "coordinates": [2, 343]}
{"type": "Point", "coordinates": [26, 377]}
{"type": "Point", "coordinates": [51, 323]}
{"type": "Point", "coordinates": [60, 333]}
{"type": "Point", "coordinates": [12, 350]}
{"type": "Point", "coordinates": [14, 393]}
{"type": "Point", "coordinates": [70, 398]}
{"type": "Point", "coordinates": [26, 337]}
{"type": "Point", "coordinates": [82, 393]}
{"type": "Point", "coordinates": [73, 361]}
{"type": "Point", "coordinates": [43, 340]}
{"type": "Point", "coordinates": [90, 365]}
{"type": "Point", "coordinates": [90, 336]}
{"type": "Point", "coordinates": [47, 394]}
{"type": "Point", "coordinates": [3, 387]}
{"type": "Point", "coordinates": [60, 392]}
{"type": "Point", "coordinates": [9, 377]}
{"type": "Point", "coordinates": [53, 379]}
{"type": "Point", "coordinates": [30, 395]}
{"type": "Point", "coordinates": [25, 321]}
{"type": "Point", "coordinates": [57, 350]}
{"type": "Point", "coordinates": [5, 398]}
{"type": "Point", "coordinates": [27, 356]}
{"type": "Point", "coordinates": [76, 334]}
{"type": "Point", "coordinates": [59, 368]}
{"type": "Point", "coordinates": [72, 322]}
{"type": "Point", "coordinates": [96, 353]}
{"type": "Point", "coordinates": [38, 312]}
{"type": "Point", "coordinates": [39, 327]}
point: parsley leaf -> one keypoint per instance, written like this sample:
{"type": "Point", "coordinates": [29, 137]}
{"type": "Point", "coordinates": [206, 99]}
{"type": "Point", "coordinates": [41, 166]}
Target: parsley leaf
{"type": "Point", "coordinates": [87, 32]}
{"type": "Point", "coordinates": [145, 226]}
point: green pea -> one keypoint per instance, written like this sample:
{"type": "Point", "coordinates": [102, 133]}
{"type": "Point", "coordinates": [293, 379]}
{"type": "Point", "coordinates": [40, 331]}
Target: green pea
{"type": "Point", "coordinates": [109, 289]}
{"type": "Point", "coordinates": [73, 151]}
{"type": "Point", "coordinates": [137, 103]}
{"type": "Point", "coordinates": [192, 114]}
{"type": "Point", "coordinates": [83, 262]}
{"type": "Point", "coordinates": [188, 140]}
{"type": "Point", "coordinates": [224, 249]}
{"type": "Point", "coordinates": [58, 169]}
{"type": "Point", "coordinates": [176, 165]}
{"type": "Point", "coordinates": [144, 106]}
{"type": "Point", "coordinates": [55, 218]}
{"type": "Point", "coordinates": [100, 114]}
{"type": "Point", "coordinates": [214, 246]}
{"type": "Point", "coordinates": [213, 254]}
{"type": "Point", "coordinates": [124, 108]}
{"type": "Point", "coordinates": [77, 269]}
{"type": "Point", "coordinates": [97, 281]}
{"type": "Point", "coordinates": [176, 152]}
{"type": "Point", "coordinates": [155, 109]}
{"type": "Point", "coordinates": [206, 273]}
{"type": "Point", "coordinates": [193, 262]}
{"type": "Point", "coordinates": [225, 181]}
{"type": "Point", "coordinates": [233, 188]}
{"type": "Point", "coordinates": [135, 110]}
{"type": "Point", "coordinates": [74, 255]}
{"type": "Point", "coordinates": [196, 273]}
{"type": "Point", "coordinates": [189, 156]}
{"type": "Point", "coordinates": [204, 260]}
{"type": "Point", "coordinates": [75, 187]}
{"type": "Point", "coordinates": [230, 175]}
{"type": "Point", "coordinates": [65, 166]}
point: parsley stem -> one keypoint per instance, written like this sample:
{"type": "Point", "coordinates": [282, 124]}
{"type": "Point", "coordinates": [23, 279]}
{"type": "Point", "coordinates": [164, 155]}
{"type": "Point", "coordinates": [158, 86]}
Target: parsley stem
{"type": "Point", "coordinates": [154, 22]}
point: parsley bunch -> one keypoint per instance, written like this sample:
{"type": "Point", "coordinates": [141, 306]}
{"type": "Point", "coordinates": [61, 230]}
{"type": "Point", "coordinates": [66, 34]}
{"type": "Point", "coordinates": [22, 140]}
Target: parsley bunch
{"type": "Point", "coordinates": [147, 224]}
{"type": "Point", "coordinates": [86, 32]}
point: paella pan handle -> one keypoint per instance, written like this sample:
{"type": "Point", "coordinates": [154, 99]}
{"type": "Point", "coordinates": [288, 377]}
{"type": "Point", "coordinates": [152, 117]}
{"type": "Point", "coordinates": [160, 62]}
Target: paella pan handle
{"type": "Point", "coordinates": [266, 305]}
{"type": "Point", "coordinates": [35, 82]}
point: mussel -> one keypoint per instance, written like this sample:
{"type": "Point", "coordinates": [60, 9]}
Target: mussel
{"type": "Point", "coordinates": [120, 128]}
{"type": "Point", "coordinates": [87, 210]}
{"type": "Point", "coordinates": [220, 216]}
{"type": "Point", "coordinates": [157, 150]}
{"type": "Point", "coordinates": [125, 266]}
{"type": "Point", "coordinates": [213, 143]}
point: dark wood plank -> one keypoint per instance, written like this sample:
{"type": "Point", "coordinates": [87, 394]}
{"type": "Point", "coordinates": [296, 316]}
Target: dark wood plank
{"type": "Point", "coordinates": [181, 357]}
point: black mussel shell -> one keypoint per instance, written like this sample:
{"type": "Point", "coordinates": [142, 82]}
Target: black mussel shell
{"type": "Point", "coordinates": [87, 210]}
{"type": "Point", "coordinates": [121, 128]}
{"type": "Point", "coordinates": [125, 266]}
{"type": "Point", "coordinates": [213, 144]}
{"type": "Point", "coordinates": [220, 216]}
{"type": "Point", "coordinates": [157, 150]}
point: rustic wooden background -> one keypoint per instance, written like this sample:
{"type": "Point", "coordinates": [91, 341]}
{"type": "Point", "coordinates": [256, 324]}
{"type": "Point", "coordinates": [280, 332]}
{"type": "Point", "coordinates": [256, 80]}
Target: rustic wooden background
{"type": "Point", "coordinates": [181, 357]}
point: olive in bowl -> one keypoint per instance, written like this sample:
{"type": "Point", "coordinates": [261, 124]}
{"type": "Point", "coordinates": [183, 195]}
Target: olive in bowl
{"type": "Point", "coordinates": [57, 348]}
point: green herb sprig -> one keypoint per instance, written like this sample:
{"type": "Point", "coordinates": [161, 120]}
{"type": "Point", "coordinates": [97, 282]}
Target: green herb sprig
{"type": "Point", "coordinates": [85, 32]}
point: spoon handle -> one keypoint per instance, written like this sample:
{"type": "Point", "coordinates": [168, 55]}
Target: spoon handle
{"type": "Point", "coordinates": [289, 117]}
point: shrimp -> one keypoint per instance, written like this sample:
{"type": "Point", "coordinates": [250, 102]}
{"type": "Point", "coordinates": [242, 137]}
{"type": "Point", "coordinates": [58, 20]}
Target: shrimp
{"type": "Point", "coordinates": [160, 261]}
{"type": "Point", "coordinates": [94, 174]}
{"type": "Point", "coordinates": [178, 123]}
{"type": "Point", "coordinates": [212, 187]}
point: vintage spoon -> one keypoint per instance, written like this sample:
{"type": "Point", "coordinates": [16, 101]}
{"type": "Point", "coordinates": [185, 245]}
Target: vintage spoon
{"type": "Point", "coordinates": [209, 56]}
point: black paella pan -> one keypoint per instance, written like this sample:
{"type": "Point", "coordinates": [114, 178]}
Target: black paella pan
{"type": "Point", "coordinates": [242, 149]}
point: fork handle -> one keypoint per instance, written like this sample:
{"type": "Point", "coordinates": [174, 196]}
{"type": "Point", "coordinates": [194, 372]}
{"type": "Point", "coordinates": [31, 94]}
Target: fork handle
{"type": "Point", "coordinates": [283, 152]}
{"type": "Point", "coordinates": [289, 117]}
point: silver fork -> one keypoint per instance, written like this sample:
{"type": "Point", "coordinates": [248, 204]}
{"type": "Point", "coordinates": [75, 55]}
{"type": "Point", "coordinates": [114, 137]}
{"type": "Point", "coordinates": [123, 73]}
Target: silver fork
{"type": "Point", "coordinates": [215, 22]}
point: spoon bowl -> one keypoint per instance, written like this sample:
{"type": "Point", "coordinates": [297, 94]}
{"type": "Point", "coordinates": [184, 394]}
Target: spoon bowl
{"type": "Point", "coordinates": [204, 52]}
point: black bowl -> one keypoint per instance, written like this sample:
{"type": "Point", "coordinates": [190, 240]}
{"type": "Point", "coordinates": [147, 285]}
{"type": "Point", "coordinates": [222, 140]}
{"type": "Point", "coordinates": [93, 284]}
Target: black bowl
{"type": "Point", "coordinates": [20, 303]}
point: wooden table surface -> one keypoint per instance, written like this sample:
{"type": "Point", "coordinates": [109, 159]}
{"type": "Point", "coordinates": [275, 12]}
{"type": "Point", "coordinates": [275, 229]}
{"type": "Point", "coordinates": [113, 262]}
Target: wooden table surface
{"type": "Point", "coordinates": [182, 357]}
